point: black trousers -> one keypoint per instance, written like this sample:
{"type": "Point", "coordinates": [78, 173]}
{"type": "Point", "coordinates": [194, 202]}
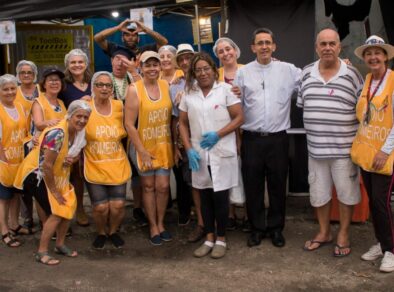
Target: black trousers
{"type": "Point", "coordinates": [183, 191]}
{"type": "Point", "coordinates": [378, 187]}
{"type": "Point", "coordinates": [214, 209]}
{"type": "Point", "coordinates": [265, 158]}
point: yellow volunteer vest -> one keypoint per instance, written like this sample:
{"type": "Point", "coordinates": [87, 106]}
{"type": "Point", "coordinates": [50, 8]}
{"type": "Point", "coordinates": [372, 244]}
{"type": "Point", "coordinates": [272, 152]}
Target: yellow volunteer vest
{"type": "Point", "coordinates": [48, 112]}
{"type": "Point", "coordinates": [221, 73]}
{"type": "Point", "coordinates": [154, 125]}
{"type": "Point", "coordinates": [105, 160]}
{"type": "Point", "coordinates": [13, 134]}
{"type": "Point", "coordinates": [371, 137]}
{"type": "Point", "coordinates": [61, 173]}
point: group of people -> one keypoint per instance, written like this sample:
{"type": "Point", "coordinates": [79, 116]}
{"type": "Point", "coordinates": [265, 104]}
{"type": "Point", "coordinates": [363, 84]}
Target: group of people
{"type": "Point", "coordinates": [164, 108]}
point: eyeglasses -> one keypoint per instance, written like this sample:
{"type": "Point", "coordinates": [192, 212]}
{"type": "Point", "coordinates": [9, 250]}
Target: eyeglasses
{"type": "Point", "coordinates": [201, 70]}
{"type": "Point", "coordinates": [101, 85]}
{"type": "Point", "coordinates": [262, 43]}
{"type": "Point", "coordinates": [26, 73]}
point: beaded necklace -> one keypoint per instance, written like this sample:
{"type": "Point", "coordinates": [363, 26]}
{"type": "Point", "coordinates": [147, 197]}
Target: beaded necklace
{"type": "Point", "coordinates": [120, 94]}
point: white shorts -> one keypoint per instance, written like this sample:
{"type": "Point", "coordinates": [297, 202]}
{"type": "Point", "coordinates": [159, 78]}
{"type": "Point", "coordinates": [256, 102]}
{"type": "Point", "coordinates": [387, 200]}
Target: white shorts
{"type": "Point", "coordinates": [342, 173]}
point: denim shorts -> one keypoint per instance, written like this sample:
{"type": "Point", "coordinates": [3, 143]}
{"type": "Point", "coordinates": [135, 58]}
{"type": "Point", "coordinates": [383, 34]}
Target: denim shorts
{"type": "Point", "coordinates": [6, 193]}
{"type": "Point", "coordinates": [154, 172]}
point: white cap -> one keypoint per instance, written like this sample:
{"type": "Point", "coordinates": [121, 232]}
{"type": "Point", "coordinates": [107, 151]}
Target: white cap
{"type": "Point", "coordinates": [184, 49]}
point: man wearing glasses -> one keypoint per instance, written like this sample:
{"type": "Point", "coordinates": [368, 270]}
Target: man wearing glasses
{"type": "Point", "coordinates": [266, 88]}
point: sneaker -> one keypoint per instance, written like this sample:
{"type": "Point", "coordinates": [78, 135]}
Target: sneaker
{"type": "Point", "coordinates": [203, 250]}
{"type": "Point", "coordinates": [139, 217]}
{"type": "Point", "coordinates": [197, 234]}
{"type": "Point", "coordinates": [165, 236]}
{"type": "Point", "coordinates": [183, 220]}
{"type": "Point", "coordinates": [246, 226]}
{"type": "Point", "coordinates": [99, 242]}
{"type": "Point", "coordinates": [387, 264]}
{"type": "Point", "coordinates": [156, 240]}
{"type": "Point", "coordinates": [231, 224]}
{"type": "Point", "coordinates": [116, 240]}
{"type": "Point", "coordinates": [218, 251]}
{"type": "Point", "coordinates": [373, 253]}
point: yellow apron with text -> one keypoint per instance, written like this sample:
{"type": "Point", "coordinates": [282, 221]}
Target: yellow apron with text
{"type": "Point", "coordinates": [154, 126]}
{"type": "Point", "coordinates": [13, 134]}
{"type": "Point", "coordinates": [105, 160]}
{"type": "Point", "coordinates": [371, 137]}
{"type": "Point", "coordinates": [61, 174]}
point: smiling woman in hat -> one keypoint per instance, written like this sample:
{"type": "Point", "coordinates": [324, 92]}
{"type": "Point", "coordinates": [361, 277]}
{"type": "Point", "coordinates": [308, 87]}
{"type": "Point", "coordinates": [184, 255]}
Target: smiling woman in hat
{"type": "Point", "coordinates": [148, 104]}
{"type": "Point", "coordinates": [373, 145]}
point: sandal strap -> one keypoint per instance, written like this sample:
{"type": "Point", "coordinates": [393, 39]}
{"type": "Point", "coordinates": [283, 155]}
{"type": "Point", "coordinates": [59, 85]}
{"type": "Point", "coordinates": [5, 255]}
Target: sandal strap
{"type": "Point", "coordinates": [39, 256]}
{"type": "Point", "coordinates": [64, 250]}
{"type": "Point", "coordinates": [11, 241]}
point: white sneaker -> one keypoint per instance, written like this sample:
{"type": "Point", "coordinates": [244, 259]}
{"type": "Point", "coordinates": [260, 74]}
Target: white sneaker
{"type": "Point", "coordinates": [387, 264]}
{"type": "Point", "coordinates": [373, 253]}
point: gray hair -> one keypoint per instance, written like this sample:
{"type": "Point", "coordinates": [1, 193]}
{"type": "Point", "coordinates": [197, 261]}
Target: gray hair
{"type": "Point", "coordinates": [97, 75]}
{"type": "Point", "coordinates": [169, 48]}
{"type": "Point", "coordinates": [8, 78]}
{"type": "Point", "coordinates": [76, 105]}
{"type": "Point", "coordinates": [230, 42]}
{"type": "Point", "coordinates": [27, 63]}
{"type": "Point", "coordinates": [75, 52]}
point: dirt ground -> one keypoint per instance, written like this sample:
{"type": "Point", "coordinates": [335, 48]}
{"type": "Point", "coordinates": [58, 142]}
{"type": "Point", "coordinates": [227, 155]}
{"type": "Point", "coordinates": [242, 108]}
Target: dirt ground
{"type": "Point", "coordinates": [171, 267]}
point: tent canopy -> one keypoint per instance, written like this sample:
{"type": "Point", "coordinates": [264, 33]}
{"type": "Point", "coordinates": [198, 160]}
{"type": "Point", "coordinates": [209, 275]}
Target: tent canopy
{"type": "Point", "coordinates": [26, 10]}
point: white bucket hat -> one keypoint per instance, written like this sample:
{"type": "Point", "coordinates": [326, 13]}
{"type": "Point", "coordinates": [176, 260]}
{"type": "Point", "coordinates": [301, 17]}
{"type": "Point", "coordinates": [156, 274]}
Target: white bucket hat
{"type": "Point", "coordinates": [375, 41]}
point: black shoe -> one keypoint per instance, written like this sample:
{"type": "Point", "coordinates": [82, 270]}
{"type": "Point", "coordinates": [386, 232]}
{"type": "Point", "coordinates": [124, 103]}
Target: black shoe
{"type": "Point", "coordinates": [116, 240]}
{"type": "Point", "coordinates": [183, 220]}
{"type": "Point", "coordinates": [277, 239]}
{"type": "Point", "coordinates": [99, 242]}
{"type": "Point", "coordinates": [246, 226]}
{"type": "Point", "coordinates": [231, 224]}
{"type": "Point", "coordinates": [255, 238]}
{"type": "Point", "coordinates": [139, 217]}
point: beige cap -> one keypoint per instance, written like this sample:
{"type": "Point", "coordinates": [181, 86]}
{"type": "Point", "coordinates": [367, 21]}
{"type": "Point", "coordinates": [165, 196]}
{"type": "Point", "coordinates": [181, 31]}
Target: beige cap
{"type": "Point", "coordinates": [149, 54]}
{"type": "Point", "coordinates": [184, 49]}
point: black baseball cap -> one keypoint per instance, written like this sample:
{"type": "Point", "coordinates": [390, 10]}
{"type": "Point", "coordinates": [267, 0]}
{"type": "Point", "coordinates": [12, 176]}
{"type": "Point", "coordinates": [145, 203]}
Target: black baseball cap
{"type": "Point", "coordinates": [119, 50]}
{"type": "Point", "coordinates": [53, 70]}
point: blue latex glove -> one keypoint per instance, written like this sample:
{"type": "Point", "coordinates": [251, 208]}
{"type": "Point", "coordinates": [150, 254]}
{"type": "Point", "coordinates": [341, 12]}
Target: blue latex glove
{"type": "Point", "coordinates": [209, 139]}
{"type": "Point", "coordinates": [194, 159]}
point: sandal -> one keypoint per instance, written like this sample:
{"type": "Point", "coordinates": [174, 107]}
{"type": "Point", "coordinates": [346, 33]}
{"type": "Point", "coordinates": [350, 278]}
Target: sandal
{"type": "Point", "coordinates": [21, 230]}
{"type": "Point", "coordinates": [341, 251]}
{"type": "Point", "coordinates": [66, 251]}
{"type": "Point", "coordinates": [10, 241]}
{"type": "Point", "coordinates": [44, 258]}
{"type": "Point", "coordinates": [319, 243]}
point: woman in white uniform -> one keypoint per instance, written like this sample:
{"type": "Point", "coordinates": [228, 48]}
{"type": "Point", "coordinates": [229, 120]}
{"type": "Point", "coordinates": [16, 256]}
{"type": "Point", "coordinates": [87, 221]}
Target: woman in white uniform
{"type": "Point", "coordinates": [212, 113]}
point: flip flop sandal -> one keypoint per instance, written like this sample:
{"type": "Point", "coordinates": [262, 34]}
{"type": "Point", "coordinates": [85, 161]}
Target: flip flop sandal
{"type": "Point", "coordinates": [319, 242]}
{"type": "Point", "coordinates": [17, 231]}
{"type": "Point", "coordinates": [40, 255]}
{"type": "Point", "coordinates": [341, 251]}
{"type": "Point", "coordinates": [66, 251]}
{"type": "Point", "coordinates": [10, 241]}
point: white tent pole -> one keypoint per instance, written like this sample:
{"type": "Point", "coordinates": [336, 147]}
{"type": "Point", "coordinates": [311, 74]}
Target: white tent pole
{"type": "Point", "coordinates": [198, 27]}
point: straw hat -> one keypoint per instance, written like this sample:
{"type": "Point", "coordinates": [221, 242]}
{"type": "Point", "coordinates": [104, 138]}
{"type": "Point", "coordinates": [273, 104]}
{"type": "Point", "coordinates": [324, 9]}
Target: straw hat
{"type": "Point", "coordinates": [375, 41]}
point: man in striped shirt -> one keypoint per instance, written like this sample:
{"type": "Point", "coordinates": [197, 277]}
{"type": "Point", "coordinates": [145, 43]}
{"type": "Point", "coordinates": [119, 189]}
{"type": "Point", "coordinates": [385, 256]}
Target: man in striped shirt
{"type": "Point", "coordinates": [328, 94]}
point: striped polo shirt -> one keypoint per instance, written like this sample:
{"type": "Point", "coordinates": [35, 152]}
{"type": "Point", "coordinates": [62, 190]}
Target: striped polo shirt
{"type": "Point", "coordinates": [329, 110]}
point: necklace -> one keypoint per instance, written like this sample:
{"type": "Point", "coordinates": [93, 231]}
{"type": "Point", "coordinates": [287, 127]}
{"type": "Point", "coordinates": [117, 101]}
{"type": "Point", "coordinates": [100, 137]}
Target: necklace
{"type": "Point", "coordinates": [119, 93]}
{"type": "Point", "coordinates": [367, 117]}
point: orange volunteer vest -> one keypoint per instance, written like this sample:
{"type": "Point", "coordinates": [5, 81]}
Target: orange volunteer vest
{"type": "Point", "coordinates": [371, 137]}
{"type": "Point", "coordinates": [105, 160]}
{"type": "Point", "coordinates": [154, 125]}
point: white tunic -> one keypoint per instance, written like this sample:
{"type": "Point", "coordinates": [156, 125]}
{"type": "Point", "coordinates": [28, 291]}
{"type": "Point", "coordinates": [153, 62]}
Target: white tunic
{"type": "Point", "coordinates": [207, 114]}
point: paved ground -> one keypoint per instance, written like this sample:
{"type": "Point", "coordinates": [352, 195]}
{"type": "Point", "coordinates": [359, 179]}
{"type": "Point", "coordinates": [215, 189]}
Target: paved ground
{"type": "Point", "coordinates": [171, 267]}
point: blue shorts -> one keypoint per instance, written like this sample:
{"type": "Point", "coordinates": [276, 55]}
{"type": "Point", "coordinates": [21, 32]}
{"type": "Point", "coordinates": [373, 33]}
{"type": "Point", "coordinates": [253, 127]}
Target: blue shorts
{"type": "Point", "coordinates": [154, 172]}
{"type": "Point", "coordinates": [6, 193]}
{"type": "Point", "coordinates": [100, 194]}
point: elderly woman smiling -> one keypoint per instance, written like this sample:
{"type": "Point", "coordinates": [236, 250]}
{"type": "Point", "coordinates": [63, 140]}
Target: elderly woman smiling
{"type": "Point", "coordinates": [46, 171]}
{"type": "Point", "coordinates": [106, 166]}
{"type": "Point", "coordinates": [13, 129]}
